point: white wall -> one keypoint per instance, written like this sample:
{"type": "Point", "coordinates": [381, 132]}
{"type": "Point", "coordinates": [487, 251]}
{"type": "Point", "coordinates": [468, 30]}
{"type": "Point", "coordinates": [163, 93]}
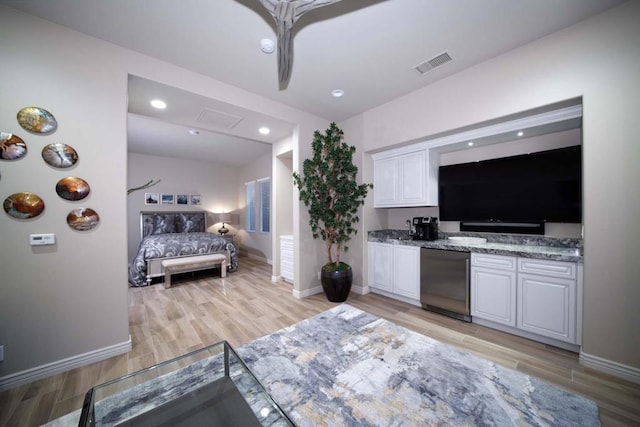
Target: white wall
{"type": "Point", "coordinates": [356, 252]}
{"type": "Point", "coordinates": [256, 243]}
{"type": "Point", "coordinates": [597, 60]}
{"type": "Point", "coordinates": [70, 300]}
{"type": "Point", "coordinates": [215, 183]}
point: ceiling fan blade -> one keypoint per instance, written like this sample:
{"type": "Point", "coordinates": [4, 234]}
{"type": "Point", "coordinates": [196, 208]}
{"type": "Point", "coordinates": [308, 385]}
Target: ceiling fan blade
{"type": "Point", "coordinates": [286, 13]}
{"type": "Point", "coordinates": [285, 50]}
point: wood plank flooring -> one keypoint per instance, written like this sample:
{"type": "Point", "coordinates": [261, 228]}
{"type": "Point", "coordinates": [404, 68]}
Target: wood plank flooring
{"type": "Point", "coordinates": [201, 309]}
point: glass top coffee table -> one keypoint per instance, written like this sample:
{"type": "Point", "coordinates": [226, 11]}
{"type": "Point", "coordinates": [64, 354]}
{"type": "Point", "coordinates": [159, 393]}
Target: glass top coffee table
{"type": "Point", "coordinates": [208, 387]}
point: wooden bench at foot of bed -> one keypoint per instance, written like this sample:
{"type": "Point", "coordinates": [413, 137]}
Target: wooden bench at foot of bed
{"type": "Point", "coordinates": [193, 263]}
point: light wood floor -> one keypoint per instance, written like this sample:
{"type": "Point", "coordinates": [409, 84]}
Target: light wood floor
{"type": "Point", "coordinates": [203, 309]}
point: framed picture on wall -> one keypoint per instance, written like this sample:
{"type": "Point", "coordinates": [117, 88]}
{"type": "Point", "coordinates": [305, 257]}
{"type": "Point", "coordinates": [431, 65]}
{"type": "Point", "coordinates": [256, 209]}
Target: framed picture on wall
{"type": "Point", "coordinates": [195, 199]}
{"type": "Point", "coordinates": [151, 198]}
{"type": "Point", "coordinates": [167, 199]}
{"type": "Point", "coordinates": [182, 199]}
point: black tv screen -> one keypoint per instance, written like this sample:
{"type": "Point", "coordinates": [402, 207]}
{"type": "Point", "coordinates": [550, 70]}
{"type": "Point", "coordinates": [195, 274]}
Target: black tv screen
{"type": "Point", "coordinates": [539, 187]}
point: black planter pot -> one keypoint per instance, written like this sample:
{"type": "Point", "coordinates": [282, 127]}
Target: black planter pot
{"type": "Point", "coordinates": [336, 284]}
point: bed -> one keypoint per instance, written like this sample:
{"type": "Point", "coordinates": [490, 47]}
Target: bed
{"type": "Point", "coordinates": [167, 235]}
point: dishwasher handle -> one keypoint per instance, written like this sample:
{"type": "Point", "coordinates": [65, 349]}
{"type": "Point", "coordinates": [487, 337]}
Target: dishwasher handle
{"type": "Point", "coordinates": [467, 264]}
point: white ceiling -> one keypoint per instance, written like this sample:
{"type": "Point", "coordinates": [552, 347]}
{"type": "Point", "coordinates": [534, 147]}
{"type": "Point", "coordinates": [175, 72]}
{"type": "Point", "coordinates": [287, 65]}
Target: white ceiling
{"type": "Point", "coordinates": [367, 48]}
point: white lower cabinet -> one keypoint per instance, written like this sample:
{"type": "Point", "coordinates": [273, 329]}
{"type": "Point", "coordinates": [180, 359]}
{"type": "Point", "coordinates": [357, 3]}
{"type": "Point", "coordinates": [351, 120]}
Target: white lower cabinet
{"type": "Point", "coordinates": [547, 302]}
{"type": "Point", "coordinates": [380, 266]}
{"type": "Point", "coordinates": [286, 258]}
{"type": "Point", "coordinates": [493, 289]}
{"type": "Point", "coordinates": [395, 270]}
{"type": "Point", "coordinates": [406, 271]}
{"type": "Point", "coordinates": [536, 296]}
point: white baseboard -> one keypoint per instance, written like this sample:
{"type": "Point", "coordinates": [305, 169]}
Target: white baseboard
{"type": "Point", "coordinates": [411, 301]}
{"type": "Point", "coordinates": [362, 290]}
{"type": "Point", "coordinates": [629, 373]}
{"type": "Point", "coordinates": [519, 332]}
{"type": "Point", "coordinates": [44, 371]}
{"type": "Point", "coordinates": [307, 292]}
{"type": "Point", "coordinates": [258, 257]}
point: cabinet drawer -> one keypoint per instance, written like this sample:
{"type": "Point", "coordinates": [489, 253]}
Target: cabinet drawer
{"type": "Point", "coordinates": [499, 262]}
{"type": "Point", "coordinates": [562, 269]}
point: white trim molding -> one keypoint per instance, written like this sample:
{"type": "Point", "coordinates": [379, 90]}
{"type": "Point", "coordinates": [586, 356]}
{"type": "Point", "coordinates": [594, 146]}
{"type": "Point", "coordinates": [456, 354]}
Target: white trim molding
{"type": "Point", "coordinates": [361, 290]}
{"type": "Point", "coordinates": [614, 368]}
{"type": "Point", "coordinates": [307, 292]}
{"type": "Point", "coordinates": [556, 116]}
{"type": "Point", "coordinates": [44, 371]}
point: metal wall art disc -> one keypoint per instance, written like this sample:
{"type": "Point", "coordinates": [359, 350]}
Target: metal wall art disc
{"type": "Point", "coordinates": [12, 147]}
{"type": "Point", "coordinates": [83, 219]}
{"type": "Point", "coordinates": [37, 120]}
{"type": "Point", "coordinates": [23, 205]}
{"type": "Point", "coordinates": [72, 188]}
{"type": "Point", "coordinates": [60, 155]}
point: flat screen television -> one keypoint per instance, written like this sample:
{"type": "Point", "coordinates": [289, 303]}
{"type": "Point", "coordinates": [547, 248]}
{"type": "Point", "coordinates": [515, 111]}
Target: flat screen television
{"type": "Point", "coordinates": [539, 187]}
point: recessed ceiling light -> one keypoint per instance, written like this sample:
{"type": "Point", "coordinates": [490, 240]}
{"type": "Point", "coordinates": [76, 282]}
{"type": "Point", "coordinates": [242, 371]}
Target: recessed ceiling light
{"type": "Point", "coordinates": [194, 132]}
{"type": "Point", "coordinates": [470, 143]}
{"type": "Point", "coordinates": [520, 133]}
{"type": "Point", "coordinates": [337, 93]}
{"type": "Point", "coordinates": [264, 130]}
{"type": "Point", "coordinates": [267, 45]}
{"type": "Point", "coordinates": [159, 104]}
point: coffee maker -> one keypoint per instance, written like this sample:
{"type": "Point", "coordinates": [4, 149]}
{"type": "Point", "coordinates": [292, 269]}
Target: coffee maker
{"type": "Point", "coordinates": [426, 228]}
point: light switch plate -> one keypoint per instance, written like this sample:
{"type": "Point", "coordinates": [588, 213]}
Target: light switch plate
{"type": "Point", "coordinates": [42, 239]}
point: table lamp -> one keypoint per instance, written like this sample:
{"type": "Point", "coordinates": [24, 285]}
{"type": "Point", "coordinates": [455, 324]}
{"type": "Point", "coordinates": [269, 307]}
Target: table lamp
{"type": "Point", "coordinates": [224, 217]}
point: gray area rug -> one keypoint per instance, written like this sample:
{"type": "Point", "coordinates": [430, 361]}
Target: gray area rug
{"type": "Point", "coordinates": [346, 367]}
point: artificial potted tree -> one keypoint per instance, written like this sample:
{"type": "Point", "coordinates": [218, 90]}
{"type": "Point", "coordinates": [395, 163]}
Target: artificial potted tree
{"type": "Point", "coordinates": [329, 189]}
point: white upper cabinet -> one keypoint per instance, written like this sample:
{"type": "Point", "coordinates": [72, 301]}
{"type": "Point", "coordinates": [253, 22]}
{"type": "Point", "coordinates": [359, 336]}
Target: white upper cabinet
{"type": "Point", "coordinates": [385, 182]}
{"type": "Point", "coordinates": [404, 178]}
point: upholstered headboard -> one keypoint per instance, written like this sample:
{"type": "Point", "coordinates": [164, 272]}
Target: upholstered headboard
{"type": "Point", "coordinates": [172, 222]}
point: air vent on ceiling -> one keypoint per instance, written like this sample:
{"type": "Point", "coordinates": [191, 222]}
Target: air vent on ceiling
{"type": "Point", "coordinates": [218, 118]}
{"type": "Point", "coordinates": [432, 63]}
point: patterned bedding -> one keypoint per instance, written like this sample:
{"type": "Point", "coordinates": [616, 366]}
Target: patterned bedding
{"type": "Point", "coordinates": [170, 234]}
{"type": "Point", "coordinates": [177, 244]}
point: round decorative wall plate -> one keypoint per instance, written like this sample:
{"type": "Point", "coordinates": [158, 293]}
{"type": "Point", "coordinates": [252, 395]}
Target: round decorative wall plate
{"type": "Point", "coordinates": [12, 147]}
{"type": "Point", "coordinates": [37, 120]}
{"type": "Point", "coordinates": [72, 188]}
{"type": "Point", "coordinates": [23, 205]}
{"type": "Point", "coordinates": [60, 155]}
{"type": "Point", "coordinates": [83, 219]}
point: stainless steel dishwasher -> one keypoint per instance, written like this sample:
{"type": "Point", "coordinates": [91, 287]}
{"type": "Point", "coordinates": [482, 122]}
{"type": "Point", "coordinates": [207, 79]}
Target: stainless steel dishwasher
{"type": "Point", "coordinates": [444, 282]}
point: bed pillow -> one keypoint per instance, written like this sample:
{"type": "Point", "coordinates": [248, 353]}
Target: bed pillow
{"type": "Point", "coordinates": [190, 222]}
{"type": "Point", "coordinates": [163, 223]}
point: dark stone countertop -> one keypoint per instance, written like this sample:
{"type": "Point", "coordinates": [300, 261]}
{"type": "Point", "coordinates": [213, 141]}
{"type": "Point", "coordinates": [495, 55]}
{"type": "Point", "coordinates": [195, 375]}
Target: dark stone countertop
{"type": "Point", "coordinates": [539, 247]}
